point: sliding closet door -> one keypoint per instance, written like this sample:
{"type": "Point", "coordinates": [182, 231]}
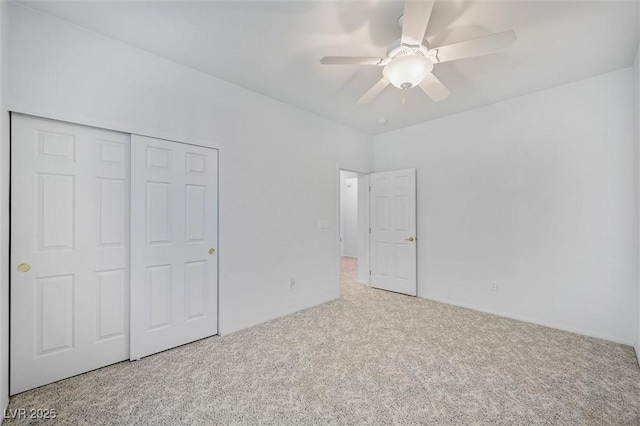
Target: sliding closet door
{"type": "Point", "coordinates": [69, 250]}
{"type": "Point", "coordinates": [174, 233]}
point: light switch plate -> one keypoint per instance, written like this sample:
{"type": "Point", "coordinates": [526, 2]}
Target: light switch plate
{"type": "Point", "coordinates": [323, 224]}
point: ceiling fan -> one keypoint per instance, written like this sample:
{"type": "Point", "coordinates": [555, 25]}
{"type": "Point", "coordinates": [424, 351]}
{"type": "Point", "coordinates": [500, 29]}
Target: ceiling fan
{"type": "Point", "coordinates": [410, 60]}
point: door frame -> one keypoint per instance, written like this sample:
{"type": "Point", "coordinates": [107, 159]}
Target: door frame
{"type": "Point", "coordinates": [341, 168]}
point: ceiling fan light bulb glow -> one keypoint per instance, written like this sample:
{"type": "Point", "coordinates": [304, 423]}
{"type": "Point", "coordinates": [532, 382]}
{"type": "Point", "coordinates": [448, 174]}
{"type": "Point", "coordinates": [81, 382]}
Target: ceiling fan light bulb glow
{"type": "Point", "coordinates": [407, 71]}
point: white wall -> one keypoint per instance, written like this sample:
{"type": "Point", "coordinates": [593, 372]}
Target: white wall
{"type": "Point", "coordinates": [537, 193]}
{"type": "Point", "coordinates": [349, 213]}
{"type": "Point", "coordinates": [268, 221]}
{"type": "Point", "coordinates": [4, 209]}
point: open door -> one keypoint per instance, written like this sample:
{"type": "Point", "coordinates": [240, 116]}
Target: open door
{"type": "Point", "coordinates": [393, 231]}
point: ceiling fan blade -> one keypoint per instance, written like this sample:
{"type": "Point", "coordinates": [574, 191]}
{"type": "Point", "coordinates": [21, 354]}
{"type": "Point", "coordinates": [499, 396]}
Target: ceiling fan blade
{"type": "Point", "coordinates": [415, 20]}
{"type": "Point", "coordinates": [474, 47]}
{"type": "Point", "coordinates": [373, 92]}
{"type": "Point", "coordinates": [352, 60]}
{"type": "Point", "coordinates": [434, 88]}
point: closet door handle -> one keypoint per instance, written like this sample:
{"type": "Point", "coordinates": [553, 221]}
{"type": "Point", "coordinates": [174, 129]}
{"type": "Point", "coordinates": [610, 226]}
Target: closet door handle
{"type": "Point", "coordinates": [24, 268]}
{"type": "Point", "coordinates": [410, 239]}
{"type": "Point", "coordinates": [212, 251]}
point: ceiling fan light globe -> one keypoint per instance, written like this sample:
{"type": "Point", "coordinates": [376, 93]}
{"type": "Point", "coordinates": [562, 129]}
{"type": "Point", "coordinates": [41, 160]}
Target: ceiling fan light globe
{"type": "Point", "coordinates": [407, 71]}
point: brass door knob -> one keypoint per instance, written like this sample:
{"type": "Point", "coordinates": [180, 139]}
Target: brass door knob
{"type": "Point", "coordinates": [24, 267]}
{"type": "Point", "coordinates": [212, 251]}
{"type": "Point", "coordinates": [410, 239]}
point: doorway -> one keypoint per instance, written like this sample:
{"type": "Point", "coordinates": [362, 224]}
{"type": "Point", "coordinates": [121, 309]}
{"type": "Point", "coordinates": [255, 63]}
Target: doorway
{"type": "Point", "coordinates": [380, 210]}
{"type": "Point", "coordinates": [354, 229]}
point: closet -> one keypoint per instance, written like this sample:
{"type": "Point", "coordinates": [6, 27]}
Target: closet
{"type": "Point", "coordinates": [113, 248]}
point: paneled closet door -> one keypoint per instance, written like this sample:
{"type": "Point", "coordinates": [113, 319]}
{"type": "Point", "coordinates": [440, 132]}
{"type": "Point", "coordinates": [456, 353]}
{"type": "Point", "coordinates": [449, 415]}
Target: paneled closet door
{"type": "Point", "coordinates": [69, 250]}
{"type": "Point", "coordinates": [174, 233]}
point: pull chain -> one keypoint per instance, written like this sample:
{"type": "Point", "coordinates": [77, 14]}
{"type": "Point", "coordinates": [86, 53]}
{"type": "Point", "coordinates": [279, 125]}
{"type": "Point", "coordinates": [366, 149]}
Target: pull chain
{"type": "Point", "coordinates": [403, 99]}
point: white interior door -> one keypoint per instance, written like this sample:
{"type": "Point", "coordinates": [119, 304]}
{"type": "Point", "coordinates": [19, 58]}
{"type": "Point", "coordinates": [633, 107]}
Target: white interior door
{"type": "Point", "coordinates": [174, 233]}
{"type": "Point", "coordinates": [69, 250]}
{"type": "Point", "coordinates": [393, 231]}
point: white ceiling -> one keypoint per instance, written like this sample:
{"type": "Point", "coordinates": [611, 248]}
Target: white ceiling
{"type": "Point", "coordinates": [273, 48]}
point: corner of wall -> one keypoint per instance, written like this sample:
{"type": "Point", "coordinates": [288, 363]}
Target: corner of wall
{"type": "Point", "coordinates": [4, 213]}
{"type": "Point", "coordinates": [636, 120]}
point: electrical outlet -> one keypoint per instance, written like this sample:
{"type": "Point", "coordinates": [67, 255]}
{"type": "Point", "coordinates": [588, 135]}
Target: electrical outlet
{"type": "Point", "coordinates": [292, 283]}
{"type": "Point", "coordinates": [494, 285]}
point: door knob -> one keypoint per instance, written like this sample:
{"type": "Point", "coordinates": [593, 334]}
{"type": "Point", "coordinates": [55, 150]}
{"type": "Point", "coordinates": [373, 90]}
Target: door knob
{"type": "Point", "coordinates": [410, 239]}
{"type": "Point", "coordinates": [24, 267]}
{"type": "Point", "coordinates": [212, 251]}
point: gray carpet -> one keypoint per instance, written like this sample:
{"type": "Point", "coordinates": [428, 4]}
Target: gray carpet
{"type": "Point", "coordinates": [371, 357]}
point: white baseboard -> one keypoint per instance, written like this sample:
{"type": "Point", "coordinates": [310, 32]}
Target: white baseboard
{"type": "Point", "coordinates": [615, 339]}
{"type": "Point", "coordinates": [233, 329]}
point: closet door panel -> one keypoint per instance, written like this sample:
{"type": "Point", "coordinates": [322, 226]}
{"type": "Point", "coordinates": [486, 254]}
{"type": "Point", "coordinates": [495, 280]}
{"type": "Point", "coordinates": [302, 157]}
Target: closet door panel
{"type": "Point", "coordinates": [174, 235]}
{"type": "Point", "coordinates": [69, 250]}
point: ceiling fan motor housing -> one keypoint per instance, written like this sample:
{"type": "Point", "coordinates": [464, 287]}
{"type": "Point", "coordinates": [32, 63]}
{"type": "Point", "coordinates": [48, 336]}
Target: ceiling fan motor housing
{"type": "Point", "coordinates": [408, 66]}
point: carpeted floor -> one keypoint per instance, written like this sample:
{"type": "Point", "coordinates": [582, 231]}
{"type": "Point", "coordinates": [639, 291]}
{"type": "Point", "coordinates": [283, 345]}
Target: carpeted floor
{"type": "Point", "coordinates": [371, 357]}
